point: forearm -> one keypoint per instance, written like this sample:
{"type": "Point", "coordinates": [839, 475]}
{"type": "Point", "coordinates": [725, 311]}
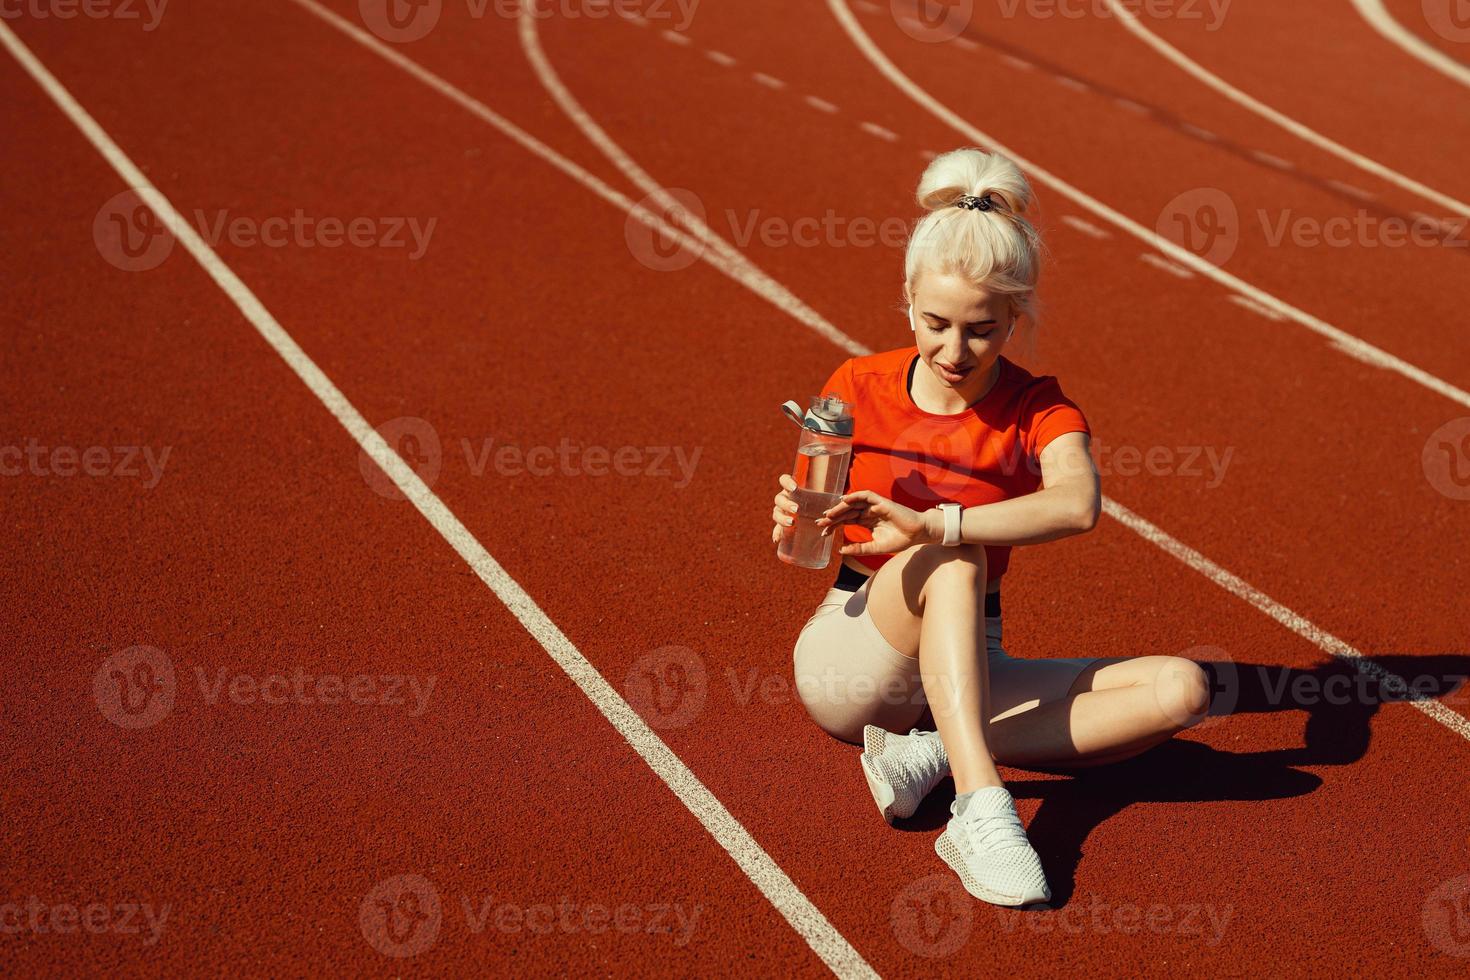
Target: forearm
{"type": "Point", "coordinates": [1046, 515]}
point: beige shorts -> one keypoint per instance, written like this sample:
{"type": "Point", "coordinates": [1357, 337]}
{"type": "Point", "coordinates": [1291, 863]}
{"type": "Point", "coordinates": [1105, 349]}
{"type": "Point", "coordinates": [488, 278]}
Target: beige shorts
{"type": "Point", "coordinates": [848, 675]}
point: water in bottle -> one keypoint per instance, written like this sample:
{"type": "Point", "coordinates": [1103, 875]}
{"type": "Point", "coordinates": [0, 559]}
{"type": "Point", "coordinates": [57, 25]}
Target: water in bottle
{"type": "Point", "coordinates": [822, 457]}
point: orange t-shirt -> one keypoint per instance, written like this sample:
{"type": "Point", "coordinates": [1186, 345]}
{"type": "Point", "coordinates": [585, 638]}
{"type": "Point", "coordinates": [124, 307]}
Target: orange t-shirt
{"type": "Point", "coordinates": [988, 452]}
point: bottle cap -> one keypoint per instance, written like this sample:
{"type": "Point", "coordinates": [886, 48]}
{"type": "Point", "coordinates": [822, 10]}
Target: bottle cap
{"type": "Point", "coordinates": [829, 415]}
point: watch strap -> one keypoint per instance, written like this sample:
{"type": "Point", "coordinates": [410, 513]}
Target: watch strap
{"type": "Point", "coordinates": [951, 524]}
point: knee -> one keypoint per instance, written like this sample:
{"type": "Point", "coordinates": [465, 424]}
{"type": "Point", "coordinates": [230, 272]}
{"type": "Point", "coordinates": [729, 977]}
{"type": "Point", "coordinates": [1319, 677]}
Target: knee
{"type": "Point", "coordinates": [1183, 690]}
{"type": "Point", "coordinates": [965, 562]}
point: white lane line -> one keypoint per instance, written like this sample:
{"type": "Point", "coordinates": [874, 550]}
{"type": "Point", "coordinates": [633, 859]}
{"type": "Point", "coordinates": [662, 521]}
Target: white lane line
{"type": "Point", "coordinates": [630, 16]}
{"type": "Point", "coordinates": [1382, 22]}
{"type": "Point", "coordinates": [1134, 26]}
{"type": "Point", "coordinates": [1256, 308]}
{"type": "Point", "coordinates": [1131, 106]}
{"type": "Point", "coordinates": [1350, 190]}
{"type": "Point", "coordinates": [675, 37]}
{"type": "Point", "coordinates": [721, 824]}
{"type": "Point", "coordinates": [721, 58]}
{"type": "Point", "coordinates": [967, 44]}
{"type": "Point", "coordinates": [762, 285]}
{"type": "Point", "coordinates": [879, 131]}
{"type": "Point", "coordinates": [1086, 227]}
{"type": "Point", "coordinates": [768, 81]}
{"type": "Point", "coordinates": [1272, 161]}
{"type": "Point", "coordinates": [1067, 81]}
{"type": "Point", "coordinates": [1162, 263]}
{"type": "Point", "coordinates": [1194, 130]}
{"type": "Point", "coordinates": [1019, 63]}
{"type": "Point", "coordinates": [1148, 236]}
{"type": "Point", "coordinates": [1150, 532]}
{"type": "Point", "coordinates": [820, 104]}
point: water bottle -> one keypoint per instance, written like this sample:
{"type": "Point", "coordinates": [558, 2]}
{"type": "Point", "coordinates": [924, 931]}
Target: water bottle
{"type": "Point", "coordinates": [822, 457]}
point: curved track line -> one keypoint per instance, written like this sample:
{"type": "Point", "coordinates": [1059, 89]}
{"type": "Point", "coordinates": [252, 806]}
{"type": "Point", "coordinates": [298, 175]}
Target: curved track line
{"type": "Point", "coordinates": [1382, 21]}
{"type": "Point", "coordinates": [672, 207]}
{"type": "Point", "coordinates": [1135, 27]}
{"type": "Point", "coordinates": [760, 284]}
{"type": "Point", "coordinates": [1352, 346]}
{"type": "Point", "coordinates": [758, 866]}
{"type": "Point", "coordinates": [1149, 531]}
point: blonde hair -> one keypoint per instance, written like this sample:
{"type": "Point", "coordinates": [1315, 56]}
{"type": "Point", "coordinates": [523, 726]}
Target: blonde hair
{"type": "Point", "coordinates": [999, 250]}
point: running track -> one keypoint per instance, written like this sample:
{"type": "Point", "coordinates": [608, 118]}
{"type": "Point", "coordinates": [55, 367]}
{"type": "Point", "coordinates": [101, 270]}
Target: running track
{"type": "Point", "coordinates": [1323, 837]}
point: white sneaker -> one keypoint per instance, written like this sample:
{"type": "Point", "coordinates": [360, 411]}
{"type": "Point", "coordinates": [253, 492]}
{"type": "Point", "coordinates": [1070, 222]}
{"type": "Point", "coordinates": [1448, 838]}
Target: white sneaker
{"type": "Point", "coordinates": [987, 847]}
{"type": "Point", "coordinates": [901, 769]}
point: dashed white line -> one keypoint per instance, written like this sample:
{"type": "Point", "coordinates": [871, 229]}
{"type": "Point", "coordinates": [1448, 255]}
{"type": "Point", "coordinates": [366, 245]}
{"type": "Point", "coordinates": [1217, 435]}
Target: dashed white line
{"type": "Point", "coordinates": [967, 44]}
{"type": "Point", "coordinates": [834, 949]}
{"type": "Point", "coordinates": [820, 104]}
{"type": "Point", "coordinates": [1067, 81]}
{"type": "Point", "coordinates": [744, 850]}
{"type": "Point", "coordinates": [1015, 62]}
{"type": "Point", "coordinates": [1150, 237]}
{"type": "Point", "coordinates": [1256, 308]}
{"type": "Point", "coordinates": [1350, 190]}
{"type": "Point", "coordinates": [675, 37]}
{"type": "Point", "coordinates": [720, 58]}
{"type": "Point", "coordinates": [928, 154]}
{"type": "Point", "coordinates": [1132, 106]}
{"type": "Point", "coordinates": [1159, 262]}
{"type": "Point", "coordinates": [1273, 161]}
{"type": "Point", "coordinates": [1194, 130]}
{"type": "Point", "coordinates": [879, 131]}
{"type": "Point", "coordinates": [769, 81]}
{"type": "Point", "coordinates": [633, 18]}
{"type": "Point", "coordinates": [1086, 227]}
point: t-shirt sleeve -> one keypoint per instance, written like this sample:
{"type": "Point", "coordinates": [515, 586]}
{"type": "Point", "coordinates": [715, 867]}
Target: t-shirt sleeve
{"type": "Point", "coordinates": [1047, 413]}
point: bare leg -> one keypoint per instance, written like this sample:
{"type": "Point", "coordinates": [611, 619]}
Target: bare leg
{"type": "Point", "coordinates": [1117, 709]}
{"type": "Point", "coordinates": [928, 601]}
{"type": "Point", "coordinates": [953, 662]}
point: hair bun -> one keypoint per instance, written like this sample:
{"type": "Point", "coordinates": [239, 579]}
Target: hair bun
{"type": "Point", "coordinates": [1002, 256]}
{"type": "Point", "coordinates": [970, 172]}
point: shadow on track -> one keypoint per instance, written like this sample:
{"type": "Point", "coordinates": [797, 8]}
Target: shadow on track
{"type": "Point", "coordinates": [1339, 700]}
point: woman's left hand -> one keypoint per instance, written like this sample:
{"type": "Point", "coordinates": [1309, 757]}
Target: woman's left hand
{"type": "Point", "coordinates": [894, 526]}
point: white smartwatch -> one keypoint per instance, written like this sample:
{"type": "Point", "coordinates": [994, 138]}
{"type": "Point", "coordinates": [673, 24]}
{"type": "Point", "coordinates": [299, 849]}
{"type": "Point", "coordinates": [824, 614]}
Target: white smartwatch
{"type": "Point", "coordinates": [951, 513]}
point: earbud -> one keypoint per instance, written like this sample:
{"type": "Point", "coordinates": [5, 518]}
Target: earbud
{"type": "Point", "coordinates": [912, 326]}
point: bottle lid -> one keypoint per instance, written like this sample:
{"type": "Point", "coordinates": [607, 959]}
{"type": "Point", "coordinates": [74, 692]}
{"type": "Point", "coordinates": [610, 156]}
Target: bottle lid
{"type": "Point", "coordinates": [829, 415]}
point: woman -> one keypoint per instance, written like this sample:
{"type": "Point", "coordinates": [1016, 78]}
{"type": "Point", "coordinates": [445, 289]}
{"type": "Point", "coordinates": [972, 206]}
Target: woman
{"type": "Point", "coordinates": [960, 454]}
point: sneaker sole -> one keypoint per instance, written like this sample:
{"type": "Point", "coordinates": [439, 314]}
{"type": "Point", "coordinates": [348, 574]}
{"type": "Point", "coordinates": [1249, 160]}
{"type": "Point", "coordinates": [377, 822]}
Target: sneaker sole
{"type": "Point", "coordinates": [949, 853]}
{"type": "Point", "coordinates": [883, 794]}
{"type": "Point", "coordinates": [875, 740]}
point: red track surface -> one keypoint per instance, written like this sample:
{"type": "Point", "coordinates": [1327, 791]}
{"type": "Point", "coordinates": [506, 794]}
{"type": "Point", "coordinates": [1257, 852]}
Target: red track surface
{"type": "Point", "coordinates": [1321, 831]}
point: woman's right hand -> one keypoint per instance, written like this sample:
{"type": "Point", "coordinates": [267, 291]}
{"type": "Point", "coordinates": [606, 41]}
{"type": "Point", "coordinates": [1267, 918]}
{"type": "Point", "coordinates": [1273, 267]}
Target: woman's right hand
{"type": "Point", "coordinates": [784, 513]}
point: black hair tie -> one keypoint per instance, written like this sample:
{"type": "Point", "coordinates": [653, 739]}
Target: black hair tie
{"type": "Point", "coordinates": [972, 203]}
